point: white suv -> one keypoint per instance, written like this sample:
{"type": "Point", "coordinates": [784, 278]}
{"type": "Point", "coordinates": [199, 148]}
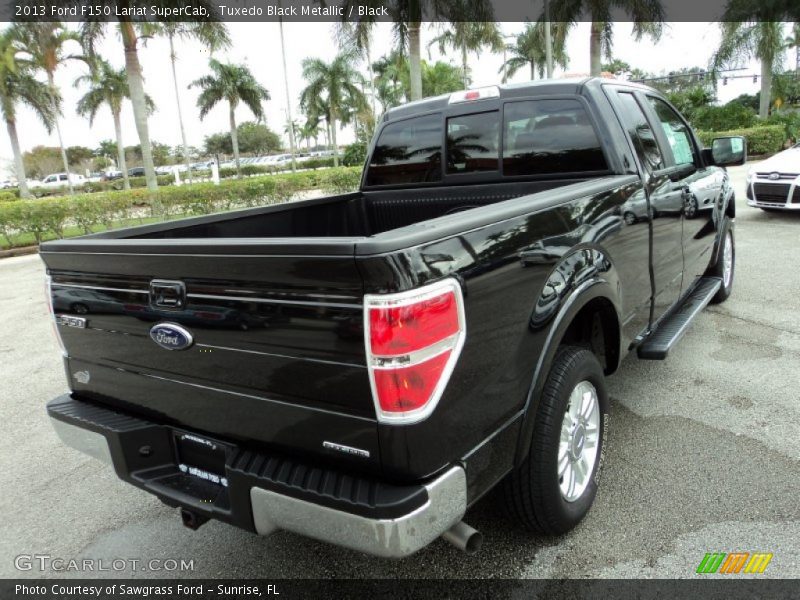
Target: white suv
{"type": "Point", "coordinates": [60, 180]}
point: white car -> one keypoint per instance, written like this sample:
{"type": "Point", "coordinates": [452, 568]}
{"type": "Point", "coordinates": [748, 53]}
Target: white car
{"type": "Point", "coordinates": [775, 183]}
{"type": "Point", "coordinates": [57, 180]}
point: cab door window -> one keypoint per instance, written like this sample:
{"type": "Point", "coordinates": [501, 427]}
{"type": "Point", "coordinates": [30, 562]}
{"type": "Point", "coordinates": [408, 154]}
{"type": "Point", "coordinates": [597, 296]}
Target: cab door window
{"type": "Point", "coordinates": [676, 131]}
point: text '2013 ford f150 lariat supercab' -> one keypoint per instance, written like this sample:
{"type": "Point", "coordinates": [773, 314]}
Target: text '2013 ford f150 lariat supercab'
{"type": "Point", "coordinates": [362, 368]}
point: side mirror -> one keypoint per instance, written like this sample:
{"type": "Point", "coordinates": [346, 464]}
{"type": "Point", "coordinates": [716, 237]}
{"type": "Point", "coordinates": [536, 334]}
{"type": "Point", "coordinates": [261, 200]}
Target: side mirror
{"type": "Point", "coordinates": [728, 151]}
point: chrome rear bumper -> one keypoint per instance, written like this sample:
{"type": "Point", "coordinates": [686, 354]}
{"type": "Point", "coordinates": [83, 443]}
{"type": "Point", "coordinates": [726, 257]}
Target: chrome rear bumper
{"type": "Point", "coordinates": [394, 537]}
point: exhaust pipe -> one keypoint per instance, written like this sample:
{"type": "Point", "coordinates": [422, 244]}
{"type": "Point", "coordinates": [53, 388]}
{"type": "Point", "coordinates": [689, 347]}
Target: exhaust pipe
{"type": "Point", "coordinates": [192, 520]}
{"type": "Point", "coordinates": [464, 537]}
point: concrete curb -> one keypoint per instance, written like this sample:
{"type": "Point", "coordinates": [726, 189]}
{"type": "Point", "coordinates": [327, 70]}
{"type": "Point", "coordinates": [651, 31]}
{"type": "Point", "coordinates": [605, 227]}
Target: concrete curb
{"type": "Point", "coordinates": [21, 251]}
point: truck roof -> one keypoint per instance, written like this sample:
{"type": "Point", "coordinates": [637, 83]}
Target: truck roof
{"type": "Point", "coordinates": [567, 86]}
{"type": "Point", "coordinates": [508, 90]}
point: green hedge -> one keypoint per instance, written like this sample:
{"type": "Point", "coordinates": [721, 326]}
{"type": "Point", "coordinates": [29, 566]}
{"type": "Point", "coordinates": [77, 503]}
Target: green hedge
{"type": "Point", "coordinates": [247, 170]}
{"type": "Point", "coordinates": [46, 218]}
{"type": "Point", "coordinates": [764, 139]}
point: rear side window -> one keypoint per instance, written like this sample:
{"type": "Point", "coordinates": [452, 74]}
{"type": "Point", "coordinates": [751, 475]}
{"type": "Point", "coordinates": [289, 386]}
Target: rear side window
{"type": "Point", "coordinates": [473, 142]}
{"type": "Point", "coordinates": [408, 151]}
{"type": "Point", "coordinates": [544, 137]}
{"type": "Point", "coordinates": [640, 132]}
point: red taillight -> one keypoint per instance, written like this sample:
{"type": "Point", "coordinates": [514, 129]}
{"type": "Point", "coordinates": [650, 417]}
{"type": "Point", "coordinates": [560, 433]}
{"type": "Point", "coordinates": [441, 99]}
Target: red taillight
{"type": "Point", "coordinates": [413, 341]}
{"type": "Point", "coordinates": [402, 329]}
{"type": "Point", "coordinates": [403, 389]}
{"type": "Point", "coordinates": [472, 95]}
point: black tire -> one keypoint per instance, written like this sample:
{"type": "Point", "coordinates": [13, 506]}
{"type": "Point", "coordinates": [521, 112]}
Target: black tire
{"type": "Point", "coordinates": [690, 208]}
{"type": "Point", "coordinates": [532, 491]}
{"type": "Point", "coordinates": [629, 217]}
{"type": "Point", "coordinates": [718, 268]}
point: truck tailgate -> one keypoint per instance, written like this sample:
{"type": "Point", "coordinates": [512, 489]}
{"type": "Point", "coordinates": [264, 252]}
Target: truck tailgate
{"type": "Point", "coordinates": [277, 356]}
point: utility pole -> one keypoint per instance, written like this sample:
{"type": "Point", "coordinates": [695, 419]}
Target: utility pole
{"type": "Point", "coordinates": [548, 40]}
{"type": "Point", "coordinates": [288, 97]}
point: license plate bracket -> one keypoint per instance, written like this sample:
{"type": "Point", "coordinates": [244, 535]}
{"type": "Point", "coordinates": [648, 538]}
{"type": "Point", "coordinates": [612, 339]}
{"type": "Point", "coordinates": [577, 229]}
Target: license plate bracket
{"type": "Point", "coordinates": [200, 457]}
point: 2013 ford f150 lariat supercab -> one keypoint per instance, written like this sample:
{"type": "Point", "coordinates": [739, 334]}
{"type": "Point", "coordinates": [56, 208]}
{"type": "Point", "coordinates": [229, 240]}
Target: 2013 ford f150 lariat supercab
{"type": "Point", "coordinates": [362, 368]}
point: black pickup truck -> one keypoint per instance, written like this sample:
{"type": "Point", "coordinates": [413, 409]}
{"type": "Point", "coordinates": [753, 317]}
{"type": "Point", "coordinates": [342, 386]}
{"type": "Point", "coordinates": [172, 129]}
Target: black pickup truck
{"type": "Point", "coordinates": [362, 368]}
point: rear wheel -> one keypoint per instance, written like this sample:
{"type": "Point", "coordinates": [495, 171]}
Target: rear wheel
{"type": "Point", "coordinates": [553, 489]}
{"type": "Point", "coordinates": [725, 267]}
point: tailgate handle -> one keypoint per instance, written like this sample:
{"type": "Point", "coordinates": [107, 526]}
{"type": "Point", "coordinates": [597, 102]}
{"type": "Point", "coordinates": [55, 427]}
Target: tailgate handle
{"type": "Point", "coordinates": [167, 294]}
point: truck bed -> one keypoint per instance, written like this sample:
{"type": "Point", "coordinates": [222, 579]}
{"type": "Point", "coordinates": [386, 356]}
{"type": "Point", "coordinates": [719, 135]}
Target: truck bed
{"type": "Point", "coordinates": [359, 214]}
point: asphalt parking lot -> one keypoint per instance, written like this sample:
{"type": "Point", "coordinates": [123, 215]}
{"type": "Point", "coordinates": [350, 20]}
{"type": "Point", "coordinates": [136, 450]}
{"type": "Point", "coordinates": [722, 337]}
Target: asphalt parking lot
{"type": "Point", "coordinates": [703, 456]}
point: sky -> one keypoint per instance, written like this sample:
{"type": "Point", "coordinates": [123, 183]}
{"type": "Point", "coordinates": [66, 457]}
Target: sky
{"type": "Point", "coordinates": [258, 46]}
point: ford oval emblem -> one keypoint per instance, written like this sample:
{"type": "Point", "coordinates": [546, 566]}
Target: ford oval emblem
{"type": "Point", "coordinates": [774, 176]}
{"type": "Point", "coordinates": [171, 336]}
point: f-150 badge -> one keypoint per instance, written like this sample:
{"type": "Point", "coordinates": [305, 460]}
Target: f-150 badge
{"type": "Point", "coordinates": [170, 336]}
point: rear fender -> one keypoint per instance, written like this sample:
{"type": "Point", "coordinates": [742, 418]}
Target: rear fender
{"type": "Point", "coordinates": [584, 276]}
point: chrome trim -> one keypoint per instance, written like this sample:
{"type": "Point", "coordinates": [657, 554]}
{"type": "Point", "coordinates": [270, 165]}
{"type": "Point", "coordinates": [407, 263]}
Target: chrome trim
{"type": "Point", "coordinates": [454, 344]}
{"type": "Point", "coordinates": [89, 442]}
{"type": "Point", "coordinates": [578, 442]}
{"type": "Point", "coordinates": [175, 327]}
{"type": "Point", "coordinates": [48, 290]}
{"type": "Point", "coordinates": [274, 301]}
{"type": "Point", "coordinates": [99, 287]}
{"type": "Point", "coordinates": [391, 538]}
{"type": "Point", "coordinates": [346, 449]}
{"type": "Point", "coordinates": [219, 297]}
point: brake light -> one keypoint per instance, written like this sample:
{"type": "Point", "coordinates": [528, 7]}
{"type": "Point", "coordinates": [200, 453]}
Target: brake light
{"type": "Point", "coordinates": [476, 94]}
{"type": "Point", "coordinates": [401, 329]}
{"type": "Point", "coordinates": [413, 340]}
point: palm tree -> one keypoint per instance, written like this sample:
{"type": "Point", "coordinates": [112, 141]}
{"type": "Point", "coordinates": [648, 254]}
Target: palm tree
{"type": "Point", "coordinates": [213, 35]}
{"type": "Point", "coordinates": [440, 78]}
{"type": "Point", "coordinates": [356, 37]}
{"type": "Point", "coordinates": [469, 36]}
{"type": "Point", "coordinates": [310, 131]}
{"type": "Point", "coordinates": [109, 87]}
{"type": "Point", "coordinates": [763, 40]}
{"type": "Point", "coordinates": [235, 84]}
{"type": "Point", "coordinates": [647, 17]}
{"type": "Point", "coordinates": [131, 32]}
{"type": "Point", "coordinates": [44, 42]}
{"type": "Point", "coordinates": [19, 86]}
{"type": "Point", "coordinates": [408, 16]}
{"type": "Point", "coordinates": [793, 41]}
{"type": "Point", "coordinates": [529, 49]}
{"type": "Point", "coordinates": [336, 84]}
{"type": "Point", "coordinates": [391, 81]}
{"type": "Point", "coordinates": [318, 110]}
